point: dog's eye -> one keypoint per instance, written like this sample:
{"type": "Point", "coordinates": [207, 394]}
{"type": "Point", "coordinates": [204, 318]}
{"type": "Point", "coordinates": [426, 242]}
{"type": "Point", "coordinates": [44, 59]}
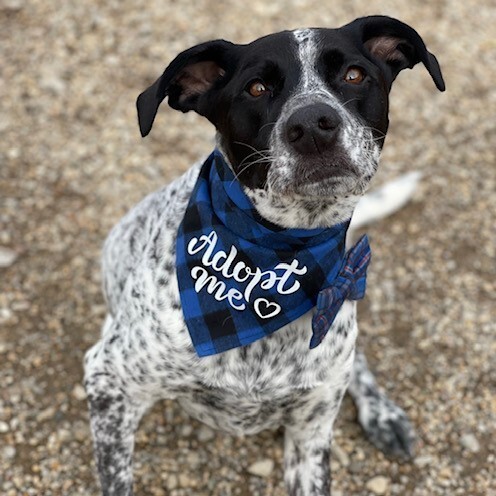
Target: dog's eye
{"type": "Point", "coordinates": [354, 75]}
{"type": "Point", "coordinates": [257, 88]}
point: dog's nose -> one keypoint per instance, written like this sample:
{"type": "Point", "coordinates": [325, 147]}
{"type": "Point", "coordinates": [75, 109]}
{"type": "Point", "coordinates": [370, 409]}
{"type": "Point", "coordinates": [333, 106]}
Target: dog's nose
{"type": "Point", "coordinates": [312, 129]}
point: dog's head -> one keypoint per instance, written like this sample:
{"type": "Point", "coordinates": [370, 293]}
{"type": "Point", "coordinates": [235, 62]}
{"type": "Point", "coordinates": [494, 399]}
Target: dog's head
{"type": "Point", "coordinates": [301, 115]}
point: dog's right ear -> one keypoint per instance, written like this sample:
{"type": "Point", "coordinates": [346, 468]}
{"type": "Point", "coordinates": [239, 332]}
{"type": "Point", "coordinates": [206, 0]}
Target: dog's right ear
{"type": "Point", "coordinates": [189, 76]}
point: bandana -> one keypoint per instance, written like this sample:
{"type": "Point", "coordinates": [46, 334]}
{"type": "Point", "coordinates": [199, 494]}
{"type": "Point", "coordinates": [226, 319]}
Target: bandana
{"type": "Point", "coordinates": [241, 278]}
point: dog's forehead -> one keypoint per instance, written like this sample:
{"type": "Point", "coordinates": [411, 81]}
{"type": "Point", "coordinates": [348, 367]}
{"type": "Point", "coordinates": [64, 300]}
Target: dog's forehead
{"type": "Point", "coordinates": [323, 37]}
{"type": "Point", "coordinates": [289, 43]}
{"type": "Point", "coordinates": [280, 47]}
{"type": "Point", "coordinates": [296, 52]}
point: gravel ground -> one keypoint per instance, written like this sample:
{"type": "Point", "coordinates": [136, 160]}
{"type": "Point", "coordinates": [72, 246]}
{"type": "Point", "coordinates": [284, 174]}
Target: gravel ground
{"type": "Point", "coordinates": [72, 163]}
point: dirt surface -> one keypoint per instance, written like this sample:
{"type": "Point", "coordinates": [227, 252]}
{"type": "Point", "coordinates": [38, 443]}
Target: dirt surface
{"type": "Point", "coordinates": [72, 162]}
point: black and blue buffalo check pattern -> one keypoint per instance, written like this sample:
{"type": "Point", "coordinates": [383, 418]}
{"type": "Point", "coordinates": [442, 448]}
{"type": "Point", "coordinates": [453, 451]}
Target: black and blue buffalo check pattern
{"type": "Point", "coordinates": [227, 238]}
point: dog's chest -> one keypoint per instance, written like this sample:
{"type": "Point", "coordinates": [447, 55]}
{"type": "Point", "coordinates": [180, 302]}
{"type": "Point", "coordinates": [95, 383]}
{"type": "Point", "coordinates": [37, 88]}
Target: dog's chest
{"type": "Point", "coordinates": [265, 384]}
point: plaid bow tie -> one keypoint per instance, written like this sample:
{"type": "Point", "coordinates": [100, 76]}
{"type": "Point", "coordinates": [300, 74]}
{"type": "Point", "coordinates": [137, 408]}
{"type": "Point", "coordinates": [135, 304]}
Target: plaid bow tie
{"type": "Point", "coordinates": [349, 285]}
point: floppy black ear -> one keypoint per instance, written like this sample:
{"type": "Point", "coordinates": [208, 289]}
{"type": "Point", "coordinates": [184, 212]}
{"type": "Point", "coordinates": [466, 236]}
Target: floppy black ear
{"type": "Point", "coordinates": [396, 44]}
{"type": "Point", "coordinates": [191, 74]}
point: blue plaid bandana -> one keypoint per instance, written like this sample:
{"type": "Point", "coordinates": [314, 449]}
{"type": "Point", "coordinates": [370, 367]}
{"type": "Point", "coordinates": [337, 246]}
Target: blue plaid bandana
{"type": "Point", "coordinates": [242, 278]}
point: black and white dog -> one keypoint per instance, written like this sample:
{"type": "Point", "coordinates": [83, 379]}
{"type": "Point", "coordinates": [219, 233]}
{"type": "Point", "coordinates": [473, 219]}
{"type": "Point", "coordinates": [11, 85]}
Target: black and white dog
{"type": "Point", "coordinates": [301, 118]}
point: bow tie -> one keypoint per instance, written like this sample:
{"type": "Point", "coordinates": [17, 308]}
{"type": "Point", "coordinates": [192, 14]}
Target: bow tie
{"type": "Point", "coordinates": [349, 285]}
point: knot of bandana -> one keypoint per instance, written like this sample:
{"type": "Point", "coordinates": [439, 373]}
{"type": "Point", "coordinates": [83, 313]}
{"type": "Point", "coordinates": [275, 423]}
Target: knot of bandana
{"type": "Point", "coordinates": [242, 278]}
{"type": "Point", "coordinates": [350, 284]}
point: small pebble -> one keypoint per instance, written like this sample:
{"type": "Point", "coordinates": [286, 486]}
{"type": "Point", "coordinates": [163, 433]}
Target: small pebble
{"type": "Point", "coordinates": [12, 5]}
{"type": "Point", "coordinates": [79, 392]}
{"type": "Point", "coordinates": [355, 467]}
{"type": "Point", "coordinates": [186, 430]}
{"type": "Point", "coordinates": [446, 473]}
{"type": "Point", "coordinates": [81, 431]}
{"type": "Point", "coordinates": [341, 455]}
{"type": "Point", "coordinates": [470, 442]}
{"type": "Point", "coordinates": [8, 452]}
{"type": "Point", "coordinates": [204, 434]}
{"type": "Point", "coordinates": [7, 257]}
{"type": "Point", "coordinates": [46, 414]}
{"type": "Point", "coordinates": [172, 481]}
{"type": "Point", "coordinates": [184, 480]}
{"type": "Point", "coordinates": [423, 461]}
{"type": "Point", "coordinates": [158, 491]}
{"type": "Point", "coordinates": [378, 484]}
{"type": "Point", "coordinates": [262, 468]}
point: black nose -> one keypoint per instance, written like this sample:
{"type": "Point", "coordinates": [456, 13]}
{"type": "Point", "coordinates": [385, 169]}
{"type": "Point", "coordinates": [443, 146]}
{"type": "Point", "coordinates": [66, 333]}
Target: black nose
{"type": "Point", "coordinates": [313, 129]}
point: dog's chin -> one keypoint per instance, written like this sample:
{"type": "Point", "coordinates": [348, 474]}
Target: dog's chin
{"type": "Point", "coordinates": [319, 183]}
{"type": "Point", "coordinates": [331, 187]}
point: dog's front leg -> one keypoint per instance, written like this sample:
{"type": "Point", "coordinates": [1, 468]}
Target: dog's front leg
{"type": "Point", "coordinates": [114, 419]}
{"type": "Point", "coordinates": [307, 444]}
{"type": "Point", "coordinates": [306, 464]}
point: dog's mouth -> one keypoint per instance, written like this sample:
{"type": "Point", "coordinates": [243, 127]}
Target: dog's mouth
{"type": "Point", "coordinates": [314, 178]}
{"type": "Point", "coordinates": [321, 172]}
{"type": "Point", "coordinates": [330, 187]}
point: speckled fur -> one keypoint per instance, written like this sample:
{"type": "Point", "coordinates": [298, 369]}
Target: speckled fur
{"type": "Point", "coordinates": [145, 352]}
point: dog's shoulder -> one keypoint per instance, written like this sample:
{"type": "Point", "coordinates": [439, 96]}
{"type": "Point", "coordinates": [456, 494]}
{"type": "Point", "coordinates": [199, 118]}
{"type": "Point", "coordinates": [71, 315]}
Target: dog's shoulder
{"type": "Point", "coordinates": [142, 230]}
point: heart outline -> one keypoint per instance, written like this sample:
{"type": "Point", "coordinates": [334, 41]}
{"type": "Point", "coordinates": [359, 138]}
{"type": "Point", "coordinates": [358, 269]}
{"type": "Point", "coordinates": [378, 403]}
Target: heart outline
{"type": "Point", "coordinates": [256, 306]}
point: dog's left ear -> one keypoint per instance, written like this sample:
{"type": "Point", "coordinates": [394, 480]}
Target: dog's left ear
{"type": "Point", "coordinates": [189, 76]}
{"type": "Point", "coordinates": [396, 44]}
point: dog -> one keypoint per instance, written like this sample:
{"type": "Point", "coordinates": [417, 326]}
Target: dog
{"type": "Point", "coordinates": [300, 117]}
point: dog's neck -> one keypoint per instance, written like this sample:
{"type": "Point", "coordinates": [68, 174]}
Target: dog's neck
{"type": "Point", "coordinates": [293, 211]}
{"type": "Point", "coordinates": [301, 213]}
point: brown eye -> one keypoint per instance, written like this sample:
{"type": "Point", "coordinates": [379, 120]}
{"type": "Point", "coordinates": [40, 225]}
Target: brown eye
{"type": "Point", "coordinates": [354, 75]}
{"type": "Point", "coordinates": [257, 88]}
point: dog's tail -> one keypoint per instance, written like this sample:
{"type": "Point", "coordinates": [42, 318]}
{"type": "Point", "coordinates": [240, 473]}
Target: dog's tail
{"type": "Point", "coordinates": [385, 200]}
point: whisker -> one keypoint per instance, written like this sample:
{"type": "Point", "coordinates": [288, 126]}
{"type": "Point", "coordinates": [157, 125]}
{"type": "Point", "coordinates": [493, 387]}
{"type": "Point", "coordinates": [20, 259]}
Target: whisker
{"type": "Point", "coordinates": [245, 144]}
{"type": "Point", "coordinates": [383, 135]}
{"type": "Point", "coordinates": [262, 154]}
{"type": "Point", "coordinates": [265, 158]}
{"type": "Point", "coordinates": [242, 169]}
{"type": "Point", "coordinates": [268, 124]}
{"type": "Point", "coordinates": [348, 101]}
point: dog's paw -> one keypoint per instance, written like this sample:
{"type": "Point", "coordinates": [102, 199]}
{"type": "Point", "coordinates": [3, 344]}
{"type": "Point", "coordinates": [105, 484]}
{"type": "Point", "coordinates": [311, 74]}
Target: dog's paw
{"type": "Point", "coordinates": [387, 427]}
